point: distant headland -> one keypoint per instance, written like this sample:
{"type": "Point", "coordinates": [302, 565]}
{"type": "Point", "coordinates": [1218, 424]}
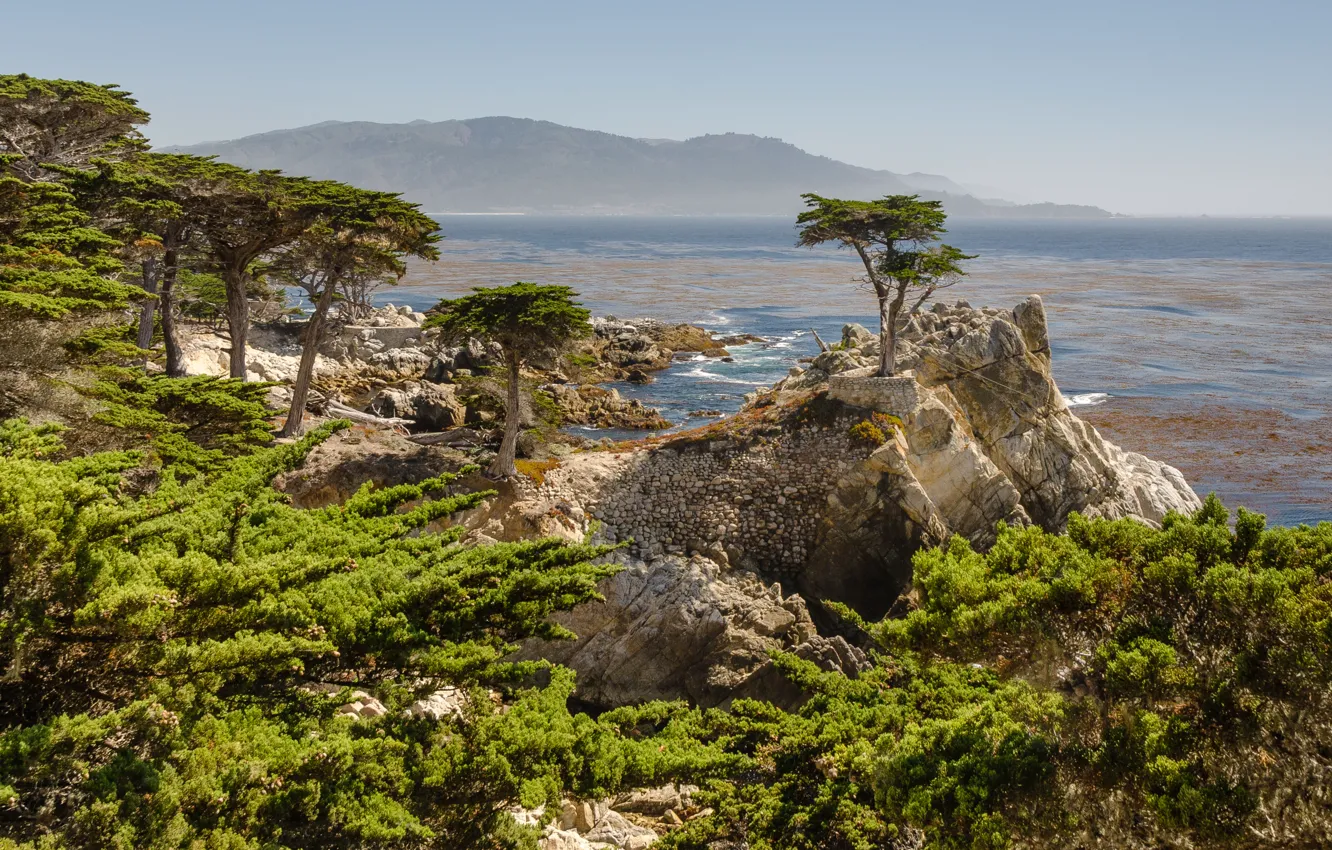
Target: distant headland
{"type": "Point", "coordinates": [520, 165]}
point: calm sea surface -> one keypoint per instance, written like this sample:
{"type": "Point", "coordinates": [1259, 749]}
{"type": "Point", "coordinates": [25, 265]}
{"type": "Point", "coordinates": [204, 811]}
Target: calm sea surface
{"type": "Point", "coordinates": [1206, 343]}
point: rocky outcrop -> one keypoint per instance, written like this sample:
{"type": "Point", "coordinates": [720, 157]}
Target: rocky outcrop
{"type": "Point", "coordinates": [603, 407]}
{"type": "Point", "coordinates": [677, 627]}
{"type": "Point", "coordinates": [831, 480]}
{"type": "Point", "coordinates": [988, 425]}
{"type": "Point", "coordinates": [342, 464]}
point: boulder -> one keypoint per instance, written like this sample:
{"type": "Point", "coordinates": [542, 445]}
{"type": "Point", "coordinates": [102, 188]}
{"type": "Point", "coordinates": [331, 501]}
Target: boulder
{"type": "Point", "coordinates": [433, 407]}
{"type": "Point", "coordinates": [616, 830]}
{"type": "Point", "coordinates": [838, 360]}
{"type": "Point", "coordinates": [855, 335]}
{"type": "Point", "coordinates": [679, 627]}
{"type": "Point", "coordinates": [339, 466]}
{"type": "Point", "coordinates": [437, 408]}
{"type": "Point", "coordinates": [404, 361]}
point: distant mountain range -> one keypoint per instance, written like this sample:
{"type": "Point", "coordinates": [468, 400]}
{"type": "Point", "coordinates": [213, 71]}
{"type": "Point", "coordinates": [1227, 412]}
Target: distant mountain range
{"type": "Point", "coordinates": [520, 165]}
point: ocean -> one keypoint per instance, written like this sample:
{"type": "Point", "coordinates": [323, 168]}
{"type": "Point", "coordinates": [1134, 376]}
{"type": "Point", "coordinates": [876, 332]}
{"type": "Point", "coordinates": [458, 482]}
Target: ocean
{"type": "Point", "coordinates": [1205, 343]}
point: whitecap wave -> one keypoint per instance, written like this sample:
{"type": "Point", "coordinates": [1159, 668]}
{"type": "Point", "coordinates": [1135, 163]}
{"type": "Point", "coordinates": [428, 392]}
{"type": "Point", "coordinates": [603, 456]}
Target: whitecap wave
{"type": "Point", "coordinates": [713, 376]}
{"type": "Point", "coordinates": [719, 319]}
{"type": "Point", "coordinates": [1086, 399]}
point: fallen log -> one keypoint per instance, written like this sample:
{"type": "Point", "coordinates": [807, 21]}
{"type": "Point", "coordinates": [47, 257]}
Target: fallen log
{"type": "Point", "coordinates": [342, 411]}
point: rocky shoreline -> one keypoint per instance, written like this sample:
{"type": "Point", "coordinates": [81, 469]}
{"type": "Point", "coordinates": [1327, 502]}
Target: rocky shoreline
{"type": "Point", "coordinates": [390, 368]}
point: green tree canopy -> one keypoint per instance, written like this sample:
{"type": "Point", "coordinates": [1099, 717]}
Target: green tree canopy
{"type": "Point", "coordinates": [895, 238]}
{"type": "Point", "coordinates": [175, 663]}
{"type": "Point", "coordinates": [525, 319]}
{"type": "Point", "coordinates": [358, 234]}
{"type": "Point", "coordinates": [62, 122]}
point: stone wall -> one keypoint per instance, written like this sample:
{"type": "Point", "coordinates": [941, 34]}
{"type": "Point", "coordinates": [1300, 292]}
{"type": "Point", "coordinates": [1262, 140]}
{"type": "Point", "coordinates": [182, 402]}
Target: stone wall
{"type": "Point", "coordinates": [757, 502]}
{"type": "Point", "coordinates": [897, 395]}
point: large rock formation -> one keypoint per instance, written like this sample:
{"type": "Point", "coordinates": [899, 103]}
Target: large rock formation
{"type": "Point", "coordinates": [797, 488]}
{"type": "Point", "coordinates": [690, 628]}
{"type": "Point", "coordinates": [1012, 436]}
{"type": "Point", "coordinates": [824, 485]}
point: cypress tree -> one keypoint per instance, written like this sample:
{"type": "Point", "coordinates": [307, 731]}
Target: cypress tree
{"type": "Point", "coordinates": [526, 319]}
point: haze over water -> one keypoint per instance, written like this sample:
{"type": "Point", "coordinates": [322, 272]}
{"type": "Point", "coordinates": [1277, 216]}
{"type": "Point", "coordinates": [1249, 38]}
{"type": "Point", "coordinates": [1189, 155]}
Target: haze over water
{"type": "Point", "coordinates": [1211, 337]}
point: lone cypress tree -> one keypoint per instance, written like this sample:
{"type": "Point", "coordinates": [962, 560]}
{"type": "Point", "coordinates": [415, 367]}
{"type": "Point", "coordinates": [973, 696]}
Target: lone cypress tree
{"type": "Point", "coordinates": [526, 320]}
{"type": "Point", "coordinates": [894, 238]}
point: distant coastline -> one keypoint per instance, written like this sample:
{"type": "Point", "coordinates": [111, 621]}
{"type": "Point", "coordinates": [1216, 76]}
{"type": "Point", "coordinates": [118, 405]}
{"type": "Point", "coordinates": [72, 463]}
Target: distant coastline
{"type": "Point", "coordinates": [516, 165]}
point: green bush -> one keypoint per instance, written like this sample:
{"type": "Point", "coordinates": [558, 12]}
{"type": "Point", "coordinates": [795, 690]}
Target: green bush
{"type": "Point", "coordinates": [159, 649]}
{"type": "Point", "coordinates": [867, 432]}
{"type": "Point", "coordinates": [1033, 683]}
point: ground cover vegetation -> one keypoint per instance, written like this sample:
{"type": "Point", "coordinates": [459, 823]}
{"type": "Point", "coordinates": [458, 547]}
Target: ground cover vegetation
{"type": "Point", "coordinates": [179, 645]}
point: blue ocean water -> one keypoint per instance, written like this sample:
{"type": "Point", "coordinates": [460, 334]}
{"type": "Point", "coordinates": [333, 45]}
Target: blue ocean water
{"type": "Point", "coordinates": [1147, 316]}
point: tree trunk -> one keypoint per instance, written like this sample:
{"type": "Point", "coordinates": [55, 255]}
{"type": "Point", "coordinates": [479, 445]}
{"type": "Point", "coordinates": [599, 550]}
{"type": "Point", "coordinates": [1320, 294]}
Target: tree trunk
{"type": "Point", "coordinates": [295, 424]}
{"type": "Point", "coordinates": [504, 467]}
{"type": "Point", "coordinates": [145, 340]}
{"type": "Point", "coordinates": [175, 366]}
{"type": "Point", "coordinates": [889, 310]}
{"type": "Point", "coordinates": [238, 320]}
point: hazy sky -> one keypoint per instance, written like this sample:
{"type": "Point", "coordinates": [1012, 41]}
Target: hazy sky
{"type": "Point", "coordinates": [1140, 107]}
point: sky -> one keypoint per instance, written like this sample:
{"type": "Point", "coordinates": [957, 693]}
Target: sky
{"type": "Point", "coordinates": [1170, 107]}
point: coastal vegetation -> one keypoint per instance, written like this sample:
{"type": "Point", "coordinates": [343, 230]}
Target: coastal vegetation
{"type": "Point", "coordinates": [191, 660]}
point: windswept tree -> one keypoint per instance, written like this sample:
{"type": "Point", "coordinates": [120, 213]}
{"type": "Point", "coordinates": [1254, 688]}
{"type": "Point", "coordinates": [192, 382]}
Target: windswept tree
{"type": "Point", "coordinates": [54, 262]}
{"type": "Point", "coordinates": [527, 320]}
{"type": "Point", "coordinates": [897, 240]}
{"type": "Point", "coordinates": [360, 235]}
{"type": "Point", "coordinates": [63, 123]}
{"type": "Point", "coordinates": [243, 215]}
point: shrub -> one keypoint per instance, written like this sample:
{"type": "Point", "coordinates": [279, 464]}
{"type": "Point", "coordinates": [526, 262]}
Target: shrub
{"type": "Point", "coordinates": [160, 651]}
{"type": "Point", "coordinates": [536, 469]}
{"type": "Point", "coordinates": [1032, 683]}
{"type": "Point", "coordinates": [869, 433]}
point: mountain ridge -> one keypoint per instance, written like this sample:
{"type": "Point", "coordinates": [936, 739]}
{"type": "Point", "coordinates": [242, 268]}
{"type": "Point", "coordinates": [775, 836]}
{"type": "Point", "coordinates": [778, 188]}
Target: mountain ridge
{"type": "Point", "coordinates": [505, 164]}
